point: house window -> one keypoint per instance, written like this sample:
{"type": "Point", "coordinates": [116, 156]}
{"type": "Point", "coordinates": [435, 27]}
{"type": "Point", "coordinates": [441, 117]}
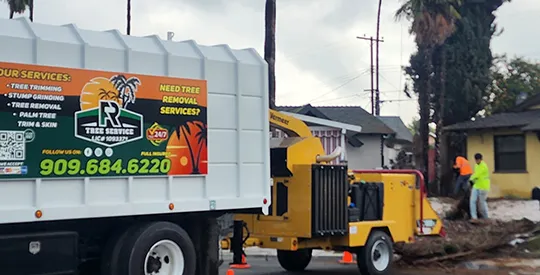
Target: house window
{"type": "Point", "coordinates": [510, 153]}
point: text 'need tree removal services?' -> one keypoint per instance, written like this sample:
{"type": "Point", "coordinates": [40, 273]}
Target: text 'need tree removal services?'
{"type": "Point", "coordinates": [63, 122]}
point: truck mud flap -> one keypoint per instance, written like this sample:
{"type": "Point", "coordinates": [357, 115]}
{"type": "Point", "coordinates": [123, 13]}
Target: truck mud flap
{"type": "Point", "coordinates": [38, 254]}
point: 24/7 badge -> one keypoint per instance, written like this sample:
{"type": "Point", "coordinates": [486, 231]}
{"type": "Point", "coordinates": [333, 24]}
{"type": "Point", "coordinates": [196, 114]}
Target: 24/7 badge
{"type": "Point", "coordinates": [157, 134]}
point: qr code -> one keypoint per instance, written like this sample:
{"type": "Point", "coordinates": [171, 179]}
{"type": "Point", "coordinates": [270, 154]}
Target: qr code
{"type": "Point", "coordinates": [12, 145]}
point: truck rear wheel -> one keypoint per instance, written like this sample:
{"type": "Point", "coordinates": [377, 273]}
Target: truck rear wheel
{"type": "Point", "coordinates": [111, 252]}
{"type": "Point", "coordinates": [158, 248]}
{"type": "Point", "coordinates": [294, 260]}
{"type": "Point", "coordinates": [375, 258]}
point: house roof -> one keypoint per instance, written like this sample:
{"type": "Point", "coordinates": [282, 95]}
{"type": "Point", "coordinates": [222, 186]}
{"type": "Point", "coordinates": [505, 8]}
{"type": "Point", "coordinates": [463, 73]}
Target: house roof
{"type": "Point", "coordinates": [396, 124]}
{"type": "Point", "coordinates": [527, 120]}
{"type": "Point", "coordinates": [528, 103]}
{"type": "Point", "coordinates": [354, 115]}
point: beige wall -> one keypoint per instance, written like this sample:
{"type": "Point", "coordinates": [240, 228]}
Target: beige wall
{"type": "Point", "coordinates": [503, 184]}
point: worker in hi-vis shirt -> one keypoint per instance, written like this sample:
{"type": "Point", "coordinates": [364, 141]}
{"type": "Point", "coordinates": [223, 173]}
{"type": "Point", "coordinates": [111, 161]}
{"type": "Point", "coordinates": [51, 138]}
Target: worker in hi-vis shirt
{"type": "Point", "coordinates": [465, 172]}
{"type": "Point", "coordinates": [480, 188]}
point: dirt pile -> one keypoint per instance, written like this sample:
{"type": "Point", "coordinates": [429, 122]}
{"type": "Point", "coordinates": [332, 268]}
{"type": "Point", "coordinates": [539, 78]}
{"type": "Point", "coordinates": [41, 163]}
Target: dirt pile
{"type": "Point", "coordinates": [465, 240]}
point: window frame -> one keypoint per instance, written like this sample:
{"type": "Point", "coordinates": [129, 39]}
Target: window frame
{"type": "Point", "coordinates": [496, 153]}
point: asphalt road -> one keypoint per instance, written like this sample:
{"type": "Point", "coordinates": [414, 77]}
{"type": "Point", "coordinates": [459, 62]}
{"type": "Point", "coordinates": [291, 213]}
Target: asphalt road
{"type": "Point", "coordinates": [318, 266]}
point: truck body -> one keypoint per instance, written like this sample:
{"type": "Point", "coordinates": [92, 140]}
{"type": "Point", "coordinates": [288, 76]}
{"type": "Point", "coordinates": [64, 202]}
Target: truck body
{"type": "Point", "coordinates": [103, 134]}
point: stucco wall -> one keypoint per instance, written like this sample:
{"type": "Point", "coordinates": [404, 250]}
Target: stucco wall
{"type": "Point", "coordinates": [367, 156]}
{"type": "Point", "coordinates": [503, 184]}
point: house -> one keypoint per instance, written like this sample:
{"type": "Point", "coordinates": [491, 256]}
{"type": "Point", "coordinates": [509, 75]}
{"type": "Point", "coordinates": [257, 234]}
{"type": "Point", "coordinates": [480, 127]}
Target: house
{"type": "Point", "coordinates": [362, 149]}
{"type": "Point", "coordinates": [510, 144]}
{"type": "Point", "coordinates": [401, 140]}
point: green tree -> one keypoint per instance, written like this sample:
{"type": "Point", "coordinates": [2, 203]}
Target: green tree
{"type": "Point", "coordinates": [270, 48]}
{"type": "Point", "coordinates": [468, 60]}
{"type": "Point", "coordinates": [432, 22]}
{"type": "Point", "coordinates": [510, 79]}
{"type": "Point", "coordinates": [19, 6]}
{"type": "Point", "coordinates": [414, 127]}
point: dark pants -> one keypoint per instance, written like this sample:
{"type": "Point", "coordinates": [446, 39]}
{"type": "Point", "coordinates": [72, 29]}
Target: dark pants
{"type": "Point", "coordinates": [462, 183]}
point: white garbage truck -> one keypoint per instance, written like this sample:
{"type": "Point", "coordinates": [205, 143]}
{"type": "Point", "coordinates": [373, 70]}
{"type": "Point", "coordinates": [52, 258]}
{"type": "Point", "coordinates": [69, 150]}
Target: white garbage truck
{"type": "Point", "coordinates": [120, 152]}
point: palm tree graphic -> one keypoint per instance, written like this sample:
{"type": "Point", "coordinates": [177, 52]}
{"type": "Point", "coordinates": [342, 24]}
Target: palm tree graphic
{"type": "Point", "coordinates": [202, 139]}
{"type": "Point", "coordinates": [127, 87]}
{"type": "Point", "coordinates": [182, 128]}
{"type": "Point", "coordinates": [107, 95]}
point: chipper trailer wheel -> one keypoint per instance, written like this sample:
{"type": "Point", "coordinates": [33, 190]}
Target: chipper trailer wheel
{"type": "Point", "coordinates": [157, 248]}
{"type": "Point", "coordinates": [294, 260]}
{"type": "Point", "coordinates": [376, 257]}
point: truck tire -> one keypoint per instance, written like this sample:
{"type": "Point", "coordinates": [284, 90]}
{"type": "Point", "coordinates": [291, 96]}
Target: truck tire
{"type": "Point", "coordinates": [157, 246]}
{"type": "Point", "coordinates": [294, 260]}
{"type": "Point", "coordinates": [375, 258]}
{"type": "Point", "coordinates": [111, 252]}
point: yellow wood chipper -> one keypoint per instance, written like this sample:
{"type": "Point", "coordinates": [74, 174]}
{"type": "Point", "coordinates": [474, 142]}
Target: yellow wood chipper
{"type": "Point", "coordinates": [316, 205]}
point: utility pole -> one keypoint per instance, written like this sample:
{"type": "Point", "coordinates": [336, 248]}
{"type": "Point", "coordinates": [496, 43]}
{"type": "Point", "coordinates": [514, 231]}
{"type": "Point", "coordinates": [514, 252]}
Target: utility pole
{"type": "Point", "coordinates": [374, 91]}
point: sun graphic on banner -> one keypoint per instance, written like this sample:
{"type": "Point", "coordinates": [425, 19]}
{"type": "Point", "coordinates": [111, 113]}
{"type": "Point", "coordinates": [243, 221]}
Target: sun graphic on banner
{"type": "Point", "coordinates": [118, 88]}
{"type": "Point", "coordinates": [99, 88]}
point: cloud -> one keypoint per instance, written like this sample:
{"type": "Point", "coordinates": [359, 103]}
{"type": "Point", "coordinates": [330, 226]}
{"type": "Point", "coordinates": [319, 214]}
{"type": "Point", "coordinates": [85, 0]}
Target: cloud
{"type": "Point", "coordinates": [318, 59]}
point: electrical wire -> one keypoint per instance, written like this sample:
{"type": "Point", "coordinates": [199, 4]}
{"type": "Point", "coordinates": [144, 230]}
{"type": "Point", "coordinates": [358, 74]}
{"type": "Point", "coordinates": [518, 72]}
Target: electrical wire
{"type": "Point", "coordinates": [340, 86]}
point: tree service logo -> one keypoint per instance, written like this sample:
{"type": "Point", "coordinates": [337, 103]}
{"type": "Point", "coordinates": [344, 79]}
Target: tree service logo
{"type": "Point", "coordinates": [157, 134]}
{"type": "Point", "coordinates": [104, 117]}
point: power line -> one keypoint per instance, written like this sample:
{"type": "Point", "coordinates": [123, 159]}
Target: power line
{"type": "Point", "coordinates": [357, 95]}
{"type": "Point", "coordinates": [340, 86]}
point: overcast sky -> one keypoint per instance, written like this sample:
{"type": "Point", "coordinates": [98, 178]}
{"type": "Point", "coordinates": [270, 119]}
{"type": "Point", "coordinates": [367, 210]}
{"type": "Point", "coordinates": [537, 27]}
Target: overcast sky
{"type": "Point", "coordinates": [319, 59]}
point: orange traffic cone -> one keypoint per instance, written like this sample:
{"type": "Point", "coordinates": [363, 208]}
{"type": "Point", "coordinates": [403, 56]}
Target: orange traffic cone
{"type": "Point", "coordinates": [243, 265]}
{"type": "Point", "coordinates": [230, 272]}
{"type": "Point", "coordinates": [347, 258]}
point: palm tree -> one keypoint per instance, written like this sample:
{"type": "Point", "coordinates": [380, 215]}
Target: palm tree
{"type": "Point", "coordinates": [31, 8]}
{"type": "Point", "coordinates": [202, 139]}
{"type": "Point", "coordinates": [270, 48]}
{"type": "Point", "coordinates": [128, 31]}
{"type": "Point", "coordinates": [433, 21]}
{"type": "Point", "coordinates": [19, 6]}
{"type": "Point", "coordinates": [127, 87]}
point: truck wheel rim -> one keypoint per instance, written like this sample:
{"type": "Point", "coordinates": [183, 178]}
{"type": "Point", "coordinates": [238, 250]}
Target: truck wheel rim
{"type": "Point", "coordinates": [164, 258]}
{"type": "Point", "coordinates": [380, 255]}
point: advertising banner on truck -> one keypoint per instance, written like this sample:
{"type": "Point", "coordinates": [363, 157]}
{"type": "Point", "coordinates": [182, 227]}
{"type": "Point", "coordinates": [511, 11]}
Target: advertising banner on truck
{"type": "Point", "coordinates": [64, 122]}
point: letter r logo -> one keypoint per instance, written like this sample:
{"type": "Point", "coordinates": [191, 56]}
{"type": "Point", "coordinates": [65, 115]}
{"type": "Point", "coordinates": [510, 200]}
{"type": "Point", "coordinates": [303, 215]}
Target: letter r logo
{"type": "Point", "coordinates": [109, 111]}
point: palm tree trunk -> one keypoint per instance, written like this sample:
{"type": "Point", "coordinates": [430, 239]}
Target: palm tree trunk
{"type": "Point", "coordinates": [128, 28]}
{"type": "Point", "coordinates": [377, 91]}
{"type": "Point", "coordinates": [270, 49]}
{"type": "Point", "coordinates": [31, 8]}
{"type": "Point", "coordinates": [423, 100]}
{"type": "Point", "coordinates": [440, 121]}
